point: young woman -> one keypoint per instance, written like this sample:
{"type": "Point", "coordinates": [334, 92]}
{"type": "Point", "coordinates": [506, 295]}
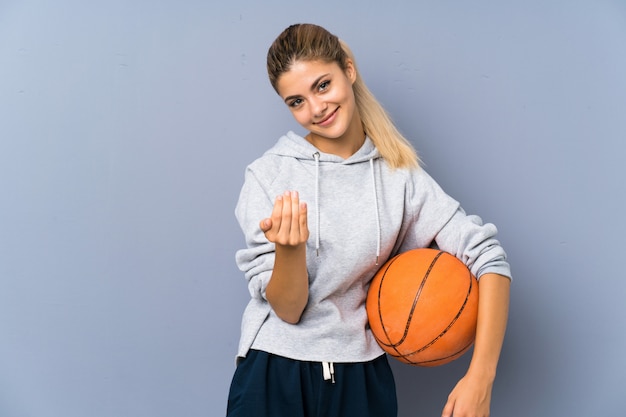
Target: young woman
{"type": "Point", "coordinates": [321, 213]}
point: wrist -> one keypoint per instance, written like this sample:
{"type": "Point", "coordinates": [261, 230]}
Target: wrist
{"type": "Point", "coordinates": [482, 372]}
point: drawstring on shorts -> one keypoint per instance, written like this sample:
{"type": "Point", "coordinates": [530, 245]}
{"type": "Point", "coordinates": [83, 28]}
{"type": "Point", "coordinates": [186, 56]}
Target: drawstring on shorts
{"type": "Point", "coordinates": [328, 370]}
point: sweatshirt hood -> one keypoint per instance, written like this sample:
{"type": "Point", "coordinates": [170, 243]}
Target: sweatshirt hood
{"type": "Point", "coordinates": [295, 146]}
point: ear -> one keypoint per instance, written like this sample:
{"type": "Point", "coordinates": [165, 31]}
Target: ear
{"type": "Point", "coordinates": [350, 70]}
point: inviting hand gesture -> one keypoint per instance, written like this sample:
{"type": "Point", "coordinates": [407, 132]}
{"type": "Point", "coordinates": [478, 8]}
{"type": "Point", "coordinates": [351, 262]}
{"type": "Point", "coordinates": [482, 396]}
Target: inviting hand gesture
{"type": "Point", "coordinates": [288, 289]}
{"type": "Point", "coordinates": [287, 225]}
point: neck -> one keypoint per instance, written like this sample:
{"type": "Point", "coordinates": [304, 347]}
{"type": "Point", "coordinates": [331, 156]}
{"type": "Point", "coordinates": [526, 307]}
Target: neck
{"type": "Point", "coordinates": [344, 146]}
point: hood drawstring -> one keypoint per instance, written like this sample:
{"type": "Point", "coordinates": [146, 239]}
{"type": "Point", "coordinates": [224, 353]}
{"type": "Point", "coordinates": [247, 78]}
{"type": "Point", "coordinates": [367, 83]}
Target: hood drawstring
{"type": "Point", "coordinates": [316, 155]}
{"type": "Point", "coordinates": [376, 208]}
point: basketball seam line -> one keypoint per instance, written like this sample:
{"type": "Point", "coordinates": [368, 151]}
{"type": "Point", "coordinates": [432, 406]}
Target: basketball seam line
{"type": "Point", "coordinates": [394, 346]}
{"type": "Point", "coordinates": [419, 292]}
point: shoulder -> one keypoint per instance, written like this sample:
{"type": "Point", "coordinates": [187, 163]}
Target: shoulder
{"type": "Point", "coordinates": [281, 163]}
{"type": "Point", "coordinates": [411, 177]}
{"type": "Point", "coordinates": [419, 186]}
{"type": "Point", "coordinates": [265, 168]}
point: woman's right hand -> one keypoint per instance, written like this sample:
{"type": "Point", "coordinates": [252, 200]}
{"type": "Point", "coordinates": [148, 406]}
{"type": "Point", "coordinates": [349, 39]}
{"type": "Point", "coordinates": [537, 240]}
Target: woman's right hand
{"type": "Point", "coordinates": [288, 288]}
{"type": "Point", "coordinates": [287, 225]}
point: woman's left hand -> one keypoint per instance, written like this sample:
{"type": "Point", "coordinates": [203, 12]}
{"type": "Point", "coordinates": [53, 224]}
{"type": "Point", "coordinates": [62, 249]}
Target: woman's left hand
{"type": "Point", "coordinates": [471, 397]}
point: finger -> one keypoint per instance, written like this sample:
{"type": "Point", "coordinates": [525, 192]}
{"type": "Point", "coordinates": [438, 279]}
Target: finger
{"type": "Point", "coordinates": [295, 210]}
{"type": "Point", "coordinates": [304, 229]}
{"type": "Point", "coordinates": [286, 214]}
{"type": "Point", "coordinates": [447, 410]}
{"type": "Point", "coordinates": [277, 211]}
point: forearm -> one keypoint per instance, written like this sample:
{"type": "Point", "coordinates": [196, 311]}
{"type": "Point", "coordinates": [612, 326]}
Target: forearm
{"type": "Point", "coordinates": [288, 288]}
{"type": "Point", "coordinates": [472, 394]}
{"type": "Point", "coordinates": [493, 308]}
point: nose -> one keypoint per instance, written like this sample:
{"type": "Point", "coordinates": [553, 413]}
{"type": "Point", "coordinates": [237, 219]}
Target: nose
{"type": "Point", "coordinates": [318, 107]}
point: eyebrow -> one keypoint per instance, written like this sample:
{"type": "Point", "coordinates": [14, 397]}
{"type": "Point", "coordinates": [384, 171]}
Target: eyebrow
{"type": "Point", "coordinates": [313, 85]}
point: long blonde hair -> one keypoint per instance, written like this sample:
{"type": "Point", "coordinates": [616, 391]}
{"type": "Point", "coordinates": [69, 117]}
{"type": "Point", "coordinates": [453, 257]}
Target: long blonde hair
{"type": "Point", "coordinates": [308, 42]}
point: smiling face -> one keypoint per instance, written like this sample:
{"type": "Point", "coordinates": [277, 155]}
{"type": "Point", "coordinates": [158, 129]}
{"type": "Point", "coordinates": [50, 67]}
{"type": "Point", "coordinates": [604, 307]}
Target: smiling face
{"type": "Point", "coordinates": [320, 97]}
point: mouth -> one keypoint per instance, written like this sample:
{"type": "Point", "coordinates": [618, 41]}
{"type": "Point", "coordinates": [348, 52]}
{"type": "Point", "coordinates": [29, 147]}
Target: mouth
{"type": "Point", "coordinates": [328, 119]}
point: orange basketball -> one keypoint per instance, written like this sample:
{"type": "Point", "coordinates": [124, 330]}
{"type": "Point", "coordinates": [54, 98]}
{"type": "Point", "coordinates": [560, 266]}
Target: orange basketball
{"type": "Point", "coordinates": [422, 307]}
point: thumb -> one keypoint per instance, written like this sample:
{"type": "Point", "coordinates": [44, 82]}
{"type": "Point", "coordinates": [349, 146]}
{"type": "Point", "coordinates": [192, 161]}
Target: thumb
{"type": "Point", "coordinates": [266, 224]}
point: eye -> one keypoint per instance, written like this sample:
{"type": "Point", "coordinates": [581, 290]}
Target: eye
{"type": "Point", "coordinates": [295, 103]}
{"type": "Point", "coordinates": [323, 86]}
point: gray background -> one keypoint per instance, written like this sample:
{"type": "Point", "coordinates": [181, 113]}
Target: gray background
{"type": "Point", "coordinates": [125, 127]}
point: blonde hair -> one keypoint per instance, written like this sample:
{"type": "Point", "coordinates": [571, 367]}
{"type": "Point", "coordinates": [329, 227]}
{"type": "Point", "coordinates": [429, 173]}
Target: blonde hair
{"type": "Point", "coordinates": [307, 42]}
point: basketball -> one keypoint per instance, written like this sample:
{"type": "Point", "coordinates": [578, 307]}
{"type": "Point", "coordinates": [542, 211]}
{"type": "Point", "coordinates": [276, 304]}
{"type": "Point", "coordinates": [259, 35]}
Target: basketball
{"type": "Point", "coordinates": [422, 307]}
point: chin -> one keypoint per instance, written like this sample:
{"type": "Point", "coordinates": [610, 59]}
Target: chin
{"type": "Point", "coordinates": [334, 132]}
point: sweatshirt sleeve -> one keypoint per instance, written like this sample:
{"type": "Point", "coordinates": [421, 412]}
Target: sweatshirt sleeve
{"type": "Point", "coordinates": [257, 259]}
{"type": "Point", "coordinates": [439, 220]}
{"type": "Point", "coordinates": [474, 243]}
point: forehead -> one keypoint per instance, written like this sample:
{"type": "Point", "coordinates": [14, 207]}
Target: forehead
{"type": "Point", "coordinates": [303, 74]}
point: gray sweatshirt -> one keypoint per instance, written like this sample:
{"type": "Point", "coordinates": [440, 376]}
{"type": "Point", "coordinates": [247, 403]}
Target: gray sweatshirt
{"type": "Point", "coordinates": [360, 213]}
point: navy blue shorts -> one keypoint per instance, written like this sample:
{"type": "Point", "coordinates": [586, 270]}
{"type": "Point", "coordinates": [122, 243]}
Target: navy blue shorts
{"type": "Point", "coordinates": [266, 385]}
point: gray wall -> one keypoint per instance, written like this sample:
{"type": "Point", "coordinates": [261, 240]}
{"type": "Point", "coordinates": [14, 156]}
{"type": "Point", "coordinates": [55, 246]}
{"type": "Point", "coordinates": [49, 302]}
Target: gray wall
{"type": "Point", "coordinates": [125, 128]}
